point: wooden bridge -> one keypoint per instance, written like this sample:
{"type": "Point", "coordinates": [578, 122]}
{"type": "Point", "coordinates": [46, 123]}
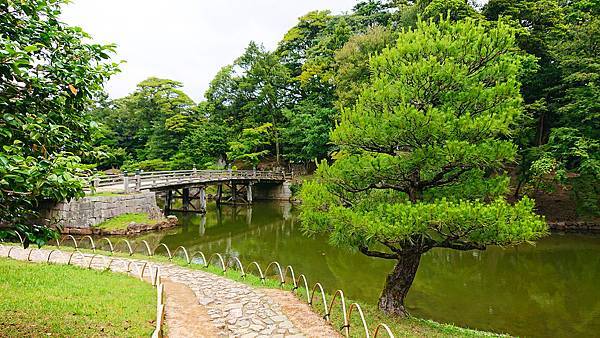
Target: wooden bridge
{"type": "Point", "coordinates": [233, 186]}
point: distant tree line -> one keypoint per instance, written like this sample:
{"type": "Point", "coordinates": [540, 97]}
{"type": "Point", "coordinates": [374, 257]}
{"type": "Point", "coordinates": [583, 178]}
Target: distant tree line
{"type": "Point", "coordinates": [275, 106]}
{"type": "Point", "coordinates": [281, 105]}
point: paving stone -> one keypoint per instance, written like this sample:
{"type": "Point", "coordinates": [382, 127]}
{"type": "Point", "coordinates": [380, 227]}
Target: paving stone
{"type": "Point", "coordinates": [235, 313]}
{"type": "Point", "coordinates": [279, 319]}
{"type": "Point", "coordinates": [286, 325]}
{"type": "Point", "coordinates": [256, 328]}
{"type": "Point", "coordinates": [243, 323]}
{"type": "Point", "coordinates": [268, 331]}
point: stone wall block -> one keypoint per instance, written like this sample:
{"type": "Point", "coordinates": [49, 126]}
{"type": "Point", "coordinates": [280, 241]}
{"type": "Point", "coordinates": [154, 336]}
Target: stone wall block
{"type": "Point", "coordinates": [91, 211]}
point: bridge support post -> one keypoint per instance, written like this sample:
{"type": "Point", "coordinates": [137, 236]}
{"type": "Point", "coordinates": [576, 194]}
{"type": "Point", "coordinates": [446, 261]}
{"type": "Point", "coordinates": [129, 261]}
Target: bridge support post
{"type": "Point", "coordinates": [219, 193]}
{"type": "Point", "coordinates": [202, 197]}
{"type": "Point", "coordinates": [233, 192]}
{"type": "Point", "coordinates": [125, 182]}
{"type": "Point", "coordinates": [138, 181]}
{"type": "Point", "coordinates": [168, 200]}
{"type": "Point", "coordinates": [186, 198]}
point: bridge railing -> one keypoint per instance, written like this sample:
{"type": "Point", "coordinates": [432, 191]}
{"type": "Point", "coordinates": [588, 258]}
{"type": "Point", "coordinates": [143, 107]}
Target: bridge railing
{"type": "Point", "coordinates": [106, 180]}
{"type": "Point", "coordinates": [151, 179]}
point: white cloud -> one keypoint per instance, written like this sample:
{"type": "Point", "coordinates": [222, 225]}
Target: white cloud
{"type": "Point", "coordinates": [186, 40]}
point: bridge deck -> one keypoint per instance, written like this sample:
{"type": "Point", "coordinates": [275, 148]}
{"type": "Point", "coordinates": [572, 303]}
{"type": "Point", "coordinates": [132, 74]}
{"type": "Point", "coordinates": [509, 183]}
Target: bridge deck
{"type": "Point", "coordinates": [165, 180]}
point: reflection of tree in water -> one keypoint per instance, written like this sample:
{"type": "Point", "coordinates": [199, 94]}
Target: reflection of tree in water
{"type": "Point", "coordinates": [359, 276]}
{"type": "Point", "coordinates": [522, 290]}
{"type": "Point", "coordinates": [546, 290]}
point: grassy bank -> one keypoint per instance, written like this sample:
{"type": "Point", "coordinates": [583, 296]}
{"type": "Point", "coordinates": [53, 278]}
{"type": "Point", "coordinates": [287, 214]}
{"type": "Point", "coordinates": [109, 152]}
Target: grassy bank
{"type": "Point", "coordinates": [67, 301]}
{"type": "Point", "coordinates": [104, 194]}
{"type": "Point", "coordinates": [401, 327]}
{"type": "Point", "coordinates": [123, 220]}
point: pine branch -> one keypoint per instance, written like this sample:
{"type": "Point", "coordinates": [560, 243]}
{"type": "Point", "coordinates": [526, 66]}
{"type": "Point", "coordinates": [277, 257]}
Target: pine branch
{"type": "Point", "coordinates": [364, 250]}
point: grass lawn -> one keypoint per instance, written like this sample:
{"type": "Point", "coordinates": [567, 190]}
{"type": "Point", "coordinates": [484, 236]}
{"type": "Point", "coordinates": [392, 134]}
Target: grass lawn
{"type": "Point", "coordinates": [104, 194]}
{"type": "Point", "coordinates": [66, 301]}
{"type": "Point", "coordinates": [401, 327]}
{"type": "Point", "coordinates": [123, 220]}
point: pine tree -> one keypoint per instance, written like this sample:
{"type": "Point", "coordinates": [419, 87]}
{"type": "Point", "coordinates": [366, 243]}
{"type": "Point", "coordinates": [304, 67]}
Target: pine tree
{"type": "Point", "coordinates": [422, 151]}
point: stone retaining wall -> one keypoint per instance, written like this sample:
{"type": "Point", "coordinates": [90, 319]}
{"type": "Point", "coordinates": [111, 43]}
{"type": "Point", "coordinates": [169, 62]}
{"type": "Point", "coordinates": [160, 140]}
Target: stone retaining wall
{"type": "Point", "coordinates": [93, 210]}
{"type": "Point", "coordinates": [263, 191]}
{"type": "Point", "coordinates": [575, 226]}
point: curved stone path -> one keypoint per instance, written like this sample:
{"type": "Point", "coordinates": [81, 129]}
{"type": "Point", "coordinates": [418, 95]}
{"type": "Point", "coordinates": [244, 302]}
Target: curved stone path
{"type": "Point", "coordinates": [234, 309]}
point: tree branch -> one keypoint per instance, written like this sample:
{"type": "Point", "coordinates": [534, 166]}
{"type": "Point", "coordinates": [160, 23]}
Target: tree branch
{"type": "Point", "coordinates": [390, 246]}
{"type": "Point", "coordinates": [463, 246]}
{"type": "Point", "coordinates": [439, 179]}
{"type": "Point", "coordinates": [364, 250]}
{"type": "Point", "coordinates": [377, 185]}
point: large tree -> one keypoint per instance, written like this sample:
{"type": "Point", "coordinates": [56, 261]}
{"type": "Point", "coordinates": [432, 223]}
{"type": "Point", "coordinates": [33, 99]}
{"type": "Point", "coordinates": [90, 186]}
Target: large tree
{"type": "Point", "coordinates": [48, 77]}
{"type": "Point", "coordinates": [151, 122]}
{"type": "Point", "coordinates": [572, 154]}
{"type": "Point", "coordinates": [352, 62]}
{"type": "Point", "coordinates": [561, 140]}
{"type": "Point", "coordinates": [251, 92]}
{"type": "Point", "coordinates": [422, 151]}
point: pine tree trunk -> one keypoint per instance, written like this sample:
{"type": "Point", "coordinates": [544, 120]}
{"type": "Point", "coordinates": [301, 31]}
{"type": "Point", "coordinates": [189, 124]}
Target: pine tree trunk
{"type": "Point", "coordinates": [398, 283]}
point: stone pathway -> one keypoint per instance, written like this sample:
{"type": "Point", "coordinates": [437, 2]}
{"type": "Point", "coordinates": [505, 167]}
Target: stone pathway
{"type": "Point", "coordinates": [184, 316]}
{"type": "Point", "coordinates": [234, 309]}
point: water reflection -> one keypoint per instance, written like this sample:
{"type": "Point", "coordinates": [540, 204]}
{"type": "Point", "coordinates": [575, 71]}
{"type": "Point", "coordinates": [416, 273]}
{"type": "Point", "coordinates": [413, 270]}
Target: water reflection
{"type": "Point", "coordinates": [550, 289]}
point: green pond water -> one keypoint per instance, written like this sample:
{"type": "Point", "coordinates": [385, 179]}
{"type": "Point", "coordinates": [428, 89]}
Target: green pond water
{"type": "Point", "coordinates": [551, 289]}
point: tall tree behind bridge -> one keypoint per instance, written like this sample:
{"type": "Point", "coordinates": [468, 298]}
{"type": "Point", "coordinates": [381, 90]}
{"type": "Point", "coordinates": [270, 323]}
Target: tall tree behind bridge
{"type": "Point", "coordinates": [151, 123]}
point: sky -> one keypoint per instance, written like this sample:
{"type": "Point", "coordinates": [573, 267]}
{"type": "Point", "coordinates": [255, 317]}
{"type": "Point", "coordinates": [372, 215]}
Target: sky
{"type": "Point", "coordinates": [186, 40]}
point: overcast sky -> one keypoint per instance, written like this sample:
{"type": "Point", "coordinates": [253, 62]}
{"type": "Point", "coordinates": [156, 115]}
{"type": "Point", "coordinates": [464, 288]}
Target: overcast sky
{"type": "Point", "coordinates": [186, 40]}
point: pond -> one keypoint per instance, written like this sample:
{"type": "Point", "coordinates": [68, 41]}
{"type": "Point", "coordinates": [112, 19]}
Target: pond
{"type": "Point", "coordinates": [550, 289]}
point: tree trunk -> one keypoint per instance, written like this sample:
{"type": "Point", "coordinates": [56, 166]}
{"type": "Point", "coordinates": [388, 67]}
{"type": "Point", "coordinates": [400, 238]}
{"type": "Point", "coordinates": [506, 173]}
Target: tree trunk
{"type": "Point", "coordinates": [276, 140]}
{"type": "Point", "coordinates": [277, 148]}
{"type": "Point", "coordinates": [398, 283]}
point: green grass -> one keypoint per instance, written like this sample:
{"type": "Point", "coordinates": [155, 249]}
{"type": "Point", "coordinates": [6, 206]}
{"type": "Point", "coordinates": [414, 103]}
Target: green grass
{"type": "Point", "coordinates": [66, 301]}
{"type": "Point", "coordinates": [105, 194]}
{"type": "Point", "coordinates": [401, 327]}
{"type": "Point", "coordinates": [123, 220]}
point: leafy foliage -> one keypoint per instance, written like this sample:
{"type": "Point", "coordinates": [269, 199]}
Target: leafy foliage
{"type": "Point", "coordinates": [560, 94]}
{"type": "Point", "coordinates": [352, 62]}
{"type": "Point", "coordinates": [251, 144]}
{"type": "Point", "coordinates": [207, 144]}
{"type": "Point", "coordinates": [48, 78]}
{"type": "Point", "coordinates": [152, 121]}
{"type": "Point", "coordinates": [307, 134]}
{"type": "Point", "coordinates": [323, 64]}
{"type": "Point", "coordinates": [453, 9]}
